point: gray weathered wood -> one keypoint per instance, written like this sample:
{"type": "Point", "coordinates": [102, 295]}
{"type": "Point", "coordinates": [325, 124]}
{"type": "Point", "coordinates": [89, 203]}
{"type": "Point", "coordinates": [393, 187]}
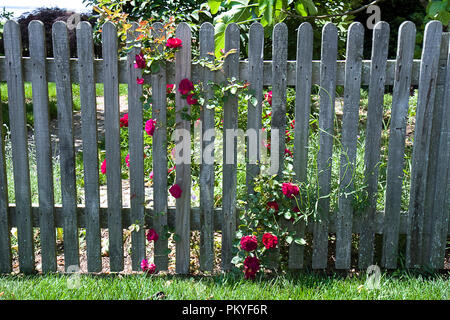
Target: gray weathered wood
{"type": "Point", "coordinates": [44, 161]}
{"type": "Point", "coordinates": [422, 133]}
{"type": "Point", "coordinates": [16, 102]}
{"type": "Point", "coordinates": [207, 167]}
{"type": "Point", "coordinates": [397, 132]}
{"type": "Point", "coordinates": [380, 46]}
{"type": "Point", "coordinates": [67, 151]}
{"type": "Point", "coordinates": [136, 147]}
{"type": "Point", "coordinates": [326, 127]}
{"type": "Point", "coordinates": [436, 214]}
{"type": "Point", "coordinates": [5, 238]}
{"type": "Point", "coordinates": [355, 42]}
{"type": "Point", "coordinates": [159, 113]}
{"type": "Point", "coordinates": [112, 145]}
{"type": "Point", "coordinates": [86, 73]}
{"type": "Point", "coordinates": [254, 113]}
{"type": "Point", "coordinates": [183, 168]}
{"type": "Point", "coordinates": [301, 130]}
{"type": "Point", "coordinates": [230, 124]}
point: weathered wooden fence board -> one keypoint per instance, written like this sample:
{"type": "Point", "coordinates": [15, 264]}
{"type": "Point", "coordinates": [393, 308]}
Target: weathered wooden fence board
{"type": "Point", "coordinates": [422, 132]}
{"type": "Point", "coordinates": [207, 156]}
{"type": "Point", "coordinates": [16, 101]}
{"type": "Point", "coordinates": [326, 134]}
{"type": "Point", "coordinates": [136, 146]}
{"type": "Point", "coordinates": [183, 164]}
{"type": "Point", "coordinates": [301, 129]}
{"type": "Point", "coordinates": [380, 45]}
{"type": "Point", "coordinates": [397, 133]}
{"type": "Point", "coordinates": [159, 114]}
{"type": "Point", "coordinates": [43, 145]}
{"type": "Point", "coordinates": [230, 124]}
{"type": "Point", "coordinates": [355, 41]}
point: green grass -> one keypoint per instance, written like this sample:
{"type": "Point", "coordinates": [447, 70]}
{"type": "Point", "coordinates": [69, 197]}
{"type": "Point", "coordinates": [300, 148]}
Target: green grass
{"type": "Point", "coordinates": [231, 287]}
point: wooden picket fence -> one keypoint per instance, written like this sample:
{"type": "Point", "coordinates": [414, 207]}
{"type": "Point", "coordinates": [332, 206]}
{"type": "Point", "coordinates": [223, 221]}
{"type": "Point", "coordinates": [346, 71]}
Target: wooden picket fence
{"type": "Point", "coordinates": [426, 224]}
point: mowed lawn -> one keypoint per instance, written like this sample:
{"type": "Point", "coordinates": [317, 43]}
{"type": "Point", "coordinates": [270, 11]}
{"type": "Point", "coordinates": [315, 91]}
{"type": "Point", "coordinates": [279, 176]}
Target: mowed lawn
{"type": "Point", "coordinates": [309, 286]}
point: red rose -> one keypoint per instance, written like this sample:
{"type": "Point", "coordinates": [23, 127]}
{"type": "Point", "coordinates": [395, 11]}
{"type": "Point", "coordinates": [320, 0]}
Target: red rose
{"type": "Point", "coordinates": [287, 151]}
{"type": "Point", "coordinates": [249, 243]}
{"type": "Point", "coordinates": [290, 190]}
{"type": "Point", "coordinates": [174, 43]}
{"type": "Point", "coordinates": [175, 191]}
{"type": "Point", "coordinates": [140, 61]}
{"type": "Point", "coordinates": [150, 127]}
{"type": "Point", "coordinates": [103, 167]}
{"type": "Point", "coordinates": [146, 267]}
{"type": "Point", "coordinates": [124, 120]}
{"type": "Point", "coordinates": [169, 88]}
{"type": "Point", "coordinates": [273, 205]}
{"type": "Point", "coordinates": [190, 100]}
{"type": "Point", "coordinates": [185, 86]}
{"type": "Point", "coordinates": [152, 235]}
{"type": "Point", "coordinates": [139, 80]}
{"type": "Point", "coordinates": [251, 267]}
{"type": "Point", "coordinates": [269, 240]}
{"type": "Point", "coordinates": [268, 97]}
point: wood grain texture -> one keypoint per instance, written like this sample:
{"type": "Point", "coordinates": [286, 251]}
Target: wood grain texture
{"type": "Point", "coordinates": [207, 168]}
{"type": "Point", "coordinates": [350, 121]}
{"type": "Point", "coordinates": [44, 162]}
{"type": "Point", "coordinates": [324, 157]}
{"type": "Point", "coordinates": [136, 149]}
{"type": "Point", "coordinates": [159, 113]}
{"type": "Point", "coordinates": [380, 46]}
{"type": "Point", "coordinates": [17, 113]}
{"type": "Point", "coordinates": [112, 146]}
{"type": "Point", "coordinates": [301, 130]}
{"type": "Point", "coordinates": [183, 167]}
{"type": "Point", "coordinates": [422, 133]}
{"type": "Point", "coordinates": [86, 72]}
{"type": "Point", "coordinates": [230, 124]}
{"type": "Point", "coordinates": [397, 133]}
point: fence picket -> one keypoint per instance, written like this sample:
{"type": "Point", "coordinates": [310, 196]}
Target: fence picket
{"type": "Point", "coordinates": [17, 113]}
{"type": "Point", "coordinates": [5, 238]}
{"type": "Point", "coordinates": [380, 45]}
{"type": "Point", "coordinates": [38, 55]}
{"type": "Point", "coordinates": [159, 113]}
{"type": "Point", "coordinates": [230, 125]}
{"type": "Point", "coordinates": [86, 73]}
{"type": "Point", "coordinates": [112, 146]}
{"type": "Point", "coordinates": [422, 132]}
{"type": "Point", "coordinates": [136, 147]}
{"type": "Point", "coordinates": [326, 127]}
{"type": "Point", "coordinates": [397, 133]}
{"type": "Point", "coordinates": [254, 113]}
{"type": "Point", "coordinates": [301, 128]}
{"type": "Point", "coordinates": [207, 168]}
{"type": "Point", "coordinates": [67, 151]}
{"type": "Point", "coordinates": [350, 121]}
{"type": "Point", "coordinates": [435, 217]}
{"type": "Point", "coordinates": [183, 169]}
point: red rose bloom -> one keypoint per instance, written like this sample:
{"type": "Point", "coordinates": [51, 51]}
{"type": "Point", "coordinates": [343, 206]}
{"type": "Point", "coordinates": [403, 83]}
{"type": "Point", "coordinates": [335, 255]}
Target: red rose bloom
{"type": "Point", "coordinates": [174, 43]}
{"type": "Point", "coordinates": [146, 267]}
{"type": "Point", "coordinates": [140, 61]}
{"type": "Point", "coordinates": [140, 80]}
{"type": "Point", "coordinates": [290, 190]}
{"type": "Point", "coordinates": [268, 97]}
{"type": "Point", "coordinates": [251, 267]}
{"type": "Point", "coordinates": [269, 240]}
{"type": "Point", "coordinates": [175, 191]}
{"type": "Point", "coordinates": [124, 120]}
{"type": "Point", "coordinates": [152, 235]}
{"type": "Point", "coordinates": [103, 167]}
{"type": "Point", "coordinates": [190, 100]}
{"type": "Point", "coordinates": [169, 87]}
{"type": "Point", "coordinates": [287, 151]}
{"type": "Point", "coordinates": [249, 243]}
{"type": "Point", "coordinates": [150, 127]}
{"type": "Point", "coordinates": [185, 86]}
{"type": "Point", "coordinates": [273, 205]}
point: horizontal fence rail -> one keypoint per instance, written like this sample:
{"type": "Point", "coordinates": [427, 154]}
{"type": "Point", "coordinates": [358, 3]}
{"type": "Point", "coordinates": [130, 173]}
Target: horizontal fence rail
{"type": "Point", "coordinates": [425, 226]}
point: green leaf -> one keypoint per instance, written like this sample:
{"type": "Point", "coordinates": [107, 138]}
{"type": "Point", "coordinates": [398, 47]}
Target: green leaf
{"type": "Point", "coordinates": [287, 215]}
{"type": "Point", "coordinates": [214, 5]}
{"type": "Point", "coordinates": [300, 241]}
{"type": "Point", "coordinates": [289, 239]}
{"type": "Point", "coordinates": [236, 260]}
